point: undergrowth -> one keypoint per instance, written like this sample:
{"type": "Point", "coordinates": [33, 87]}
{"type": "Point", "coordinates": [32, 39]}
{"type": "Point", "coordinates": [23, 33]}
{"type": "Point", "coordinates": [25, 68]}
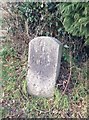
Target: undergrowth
{"type": "Point", "coordinates": [16, 102]}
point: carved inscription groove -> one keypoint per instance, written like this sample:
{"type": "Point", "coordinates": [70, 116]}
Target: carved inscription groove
{"type": "Point", "coordinates": [42, 60]}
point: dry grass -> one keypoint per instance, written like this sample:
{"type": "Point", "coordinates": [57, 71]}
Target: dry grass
{"type": "Point", "coordinates": [17, 104]}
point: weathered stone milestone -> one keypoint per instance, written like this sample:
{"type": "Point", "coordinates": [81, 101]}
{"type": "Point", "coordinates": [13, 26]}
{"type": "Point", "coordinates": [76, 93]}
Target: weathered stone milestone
{"type": "Point", "coordinates": [44, 58]}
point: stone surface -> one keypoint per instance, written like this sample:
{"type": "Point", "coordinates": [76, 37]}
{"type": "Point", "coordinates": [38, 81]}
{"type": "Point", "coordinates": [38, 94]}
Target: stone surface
{"type": "Point", "coordinates": [43, 65]}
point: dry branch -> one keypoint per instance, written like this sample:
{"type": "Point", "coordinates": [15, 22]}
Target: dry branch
{"type": "Point", "coordinates": [69, 73]}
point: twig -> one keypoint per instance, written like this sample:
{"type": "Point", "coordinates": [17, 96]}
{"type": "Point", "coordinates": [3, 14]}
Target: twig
{"type": "Point", "coordinates": [69, 74]}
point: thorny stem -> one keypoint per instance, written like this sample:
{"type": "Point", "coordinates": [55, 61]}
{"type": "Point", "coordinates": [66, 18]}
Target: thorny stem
{"type": "Point", "coordinates": [69, 73]}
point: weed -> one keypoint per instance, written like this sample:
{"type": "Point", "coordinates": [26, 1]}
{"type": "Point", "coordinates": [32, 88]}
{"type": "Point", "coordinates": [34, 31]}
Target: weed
{"type": "Point", "coordinates": [61, 101]}
{"type": "Point", "coordinates": [16, 95]}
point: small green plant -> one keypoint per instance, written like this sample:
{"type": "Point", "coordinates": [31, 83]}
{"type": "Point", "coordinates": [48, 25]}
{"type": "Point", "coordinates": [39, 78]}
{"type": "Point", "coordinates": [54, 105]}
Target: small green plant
{"type": "Point", "coordinates": [61, 101]}
{"type": "Point", "coordinates": [7, 51]}
{"type": "Point", "coordinates": [65, 54]}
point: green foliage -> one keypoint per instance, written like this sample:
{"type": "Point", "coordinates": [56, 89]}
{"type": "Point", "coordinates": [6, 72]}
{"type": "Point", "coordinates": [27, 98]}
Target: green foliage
{"type": "Point", "coordinates": [61, 101]}
{"type": "Point", "coordinates": [31, 11]}
{"type": "Point", "coordinates": [66, 54]}
{"type": "Point", "coordinates": [79, 92]}
{"type": "Point", "coordinates": [7, 51]}
{"type": "Point", "coordinates": [35, 106]}
{"type": "Point", "coordinates": [75, 18]}
{"type": "Point", "coordinates": [51, 18]}
{"type": "Point", "coordinates": [39, 16]}
{"type": "Point", "coordinates": [14, 71]}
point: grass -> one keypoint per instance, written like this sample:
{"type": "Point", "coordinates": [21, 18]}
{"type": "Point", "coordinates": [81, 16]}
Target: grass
{"type": "Point", "coordinates": [17, 103]}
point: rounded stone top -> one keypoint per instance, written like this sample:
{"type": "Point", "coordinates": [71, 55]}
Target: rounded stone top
{"type": "Point", "coordinates": [53, 39]}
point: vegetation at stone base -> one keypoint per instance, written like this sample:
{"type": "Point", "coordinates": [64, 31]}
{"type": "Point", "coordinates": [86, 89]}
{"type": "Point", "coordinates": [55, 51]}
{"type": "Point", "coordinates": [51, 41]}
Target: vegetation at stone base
{"type": "Point", "coordinates": [22, 25]}
{"type": "Point", "coordinates": [16, 103]}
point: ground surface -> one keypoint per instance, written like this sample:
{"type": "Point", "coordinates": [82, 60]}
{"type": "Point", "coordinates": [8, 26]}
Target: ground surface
{"type": "Point", "coordinates": [15, 100]}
